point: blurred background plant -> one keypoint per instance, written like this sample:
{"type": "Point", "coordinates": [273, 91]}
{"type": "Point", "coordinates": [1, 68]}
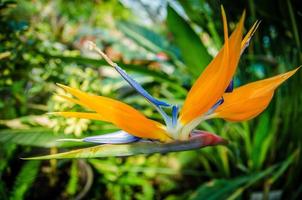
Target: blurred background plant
{"type": "Point", "coordinates": [165, 45]}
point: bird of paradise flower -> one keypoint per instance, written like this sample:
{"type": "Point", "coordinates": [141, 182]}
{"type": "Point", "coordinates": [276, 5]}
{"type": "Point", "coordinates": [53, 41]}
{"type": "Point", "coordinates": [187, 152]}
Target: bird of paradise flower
{"type": "Point", "coordinates": [211, 96]}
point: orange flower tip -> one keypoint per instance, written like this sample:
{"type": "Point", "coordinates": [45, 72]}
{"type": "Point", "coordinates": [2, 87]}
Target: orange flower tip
{"type": "Point", "coordinates": [243, 14]}
{"type": "Point", "coordinates": [242, 17]}
{"type": "Point", "coordinates": [223, 14]}
{"type": "Point", "coordinates": [222, 9]}
{"type": "Point", "coordinates": [62, 86]}
{"type": "Point", "coordinates": [225, 25]}
{"type": "Point", "coordinates": [290, 73]}
{"type": "Point", "coordinates": [255, 26]}
{"type": "Point", "coordinates": [298, 68]}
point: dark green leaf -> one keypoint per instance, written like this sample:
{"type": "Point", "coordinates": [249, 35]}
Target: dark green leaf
{"type": "Point", "coordinates": [24, 180]}
{"type": "Point", "coordinates": [224, 188]}
{"type": "Point", "coordinates": [74, 179]}
{"type": "Point", "coordinates": [149, 40]}
{"type": "Point", "coordinates": [145, 37]}
{"type": "Point", "coordinates": [194, 53]}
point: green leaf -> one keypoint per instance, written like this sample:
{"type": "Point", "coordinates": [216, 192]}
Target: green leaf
{"type": "Point", "coordinates": [224, 188]}
{"type": "Point", "coordinates": [72, 185]}
{"type": "Point", "coordinates": [97, 62]}
{"type": "Point", "coordinates": [6, 153]}
{"type": "Point", "coordinates": [150, 40]}
{"type": "Point", "coordinates": [199, 13]}
{"type": "Point", "coordinates": [157, 75]}
{"type": "Point", "coordinates": [194, 53]}
{"type": "Point", "coordinates": [261, 141]}
{"type": "Point", "coordinates": [109, 150]}
{"type": "Point", "coordinates": [25, 179]}
{"type": "Point", "coordinates": [284, 166]}
{"type": "Point", "coordinates": [218, 189]}
{"type": "Point", "coordinates": [3, 190]}
{"type": "Point", "coordinates": [38, 137]}
{"type": "Point", "coordinates": [144, 37]}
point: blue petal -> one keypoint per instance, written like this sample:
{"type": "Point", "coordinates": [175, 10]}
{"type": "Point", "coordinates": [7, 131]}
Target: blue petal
{"type": "Point", "coordinates": [230, 86]}
{"type": "Point", "coordinates": [218, 103]}
{"type": "Point", "coordinates": [119, 137]}
{"type": "Point", "coordinates": [139, 88]}
{"type": "Point", "coordinates": [175, 110]}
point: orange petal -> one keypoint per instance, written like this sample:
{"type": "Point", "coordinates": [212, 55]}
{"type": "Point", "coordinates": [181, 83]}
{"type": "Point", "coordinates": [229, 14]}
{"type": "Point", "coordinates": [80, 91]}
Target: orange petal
{"type": "Point", "coordinates": [211, 84]}
{"type": "Point", "coordinates": [246, 40]}
{"type": "Point", "coordinates": [72, 100]}
{"type": "Point", "coordinates": [248, 101]}
{"type": "Point", "coordinates": [120, 114]}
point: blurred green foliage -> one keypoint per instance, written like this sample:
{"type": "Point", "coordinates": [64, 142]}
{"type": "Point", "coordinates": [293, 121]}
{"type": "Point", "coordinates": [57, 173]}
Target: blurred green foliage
{"type": "Point", "coordinates": [42, 42]}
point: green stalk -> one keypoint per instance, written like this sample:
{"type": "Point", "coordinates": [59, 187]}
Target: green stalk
{"type": "Point", "coordinates": [144, 147]}
{"type": "Point", "coordinates": [294, 27]}
{"type": "Point", "coordinates": [214, 33]}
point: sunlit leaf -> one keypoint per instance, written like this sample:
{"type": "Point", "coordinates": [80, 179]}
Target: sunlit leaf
{"type": "Point", "coordinates": [37, 137]}
{"type": "Point", "coordinates": [142, 69]}
{"type": "Point", "coordinates": [261, 141]}
{"type": "Point", "coordinates": [146, 38]}
{"type": "Point", "coordinates": [97, 62]}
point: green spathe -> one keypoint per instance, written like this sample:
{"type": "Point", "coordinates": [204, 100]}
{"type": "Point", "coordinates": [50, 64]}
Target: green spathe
{"type": "Point", "coordinates": [143, 147]}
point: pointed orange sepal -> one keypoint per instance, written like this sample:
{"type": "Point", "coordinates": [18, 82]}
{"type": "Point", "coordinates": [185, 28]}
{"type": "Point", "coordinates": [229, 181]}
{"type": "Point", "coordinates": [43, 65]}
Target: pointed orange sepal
{"type": "Point", "coordinates": [211, 84]}
{"type": "Point", "coordinates": [118, 113]}
{"type": "Point", "coordinates": [248, 101]}
{"type": "Point", "coordinates": [246, 40]}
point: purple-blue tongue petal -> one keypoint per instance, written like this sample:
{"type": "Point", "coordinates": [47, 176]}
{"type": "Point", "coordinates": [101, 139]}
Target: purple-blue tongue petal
{"type": "Point", "coordinates": [175, 110]}
{"type": "Point", "coordinates": [215, 106]}
{"type": "Point", "coordinates": [230, 87]}
{"type": "Point", "coordinates": [119, 137]}
{"type": "Point", "coordinates": [140, 89]}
